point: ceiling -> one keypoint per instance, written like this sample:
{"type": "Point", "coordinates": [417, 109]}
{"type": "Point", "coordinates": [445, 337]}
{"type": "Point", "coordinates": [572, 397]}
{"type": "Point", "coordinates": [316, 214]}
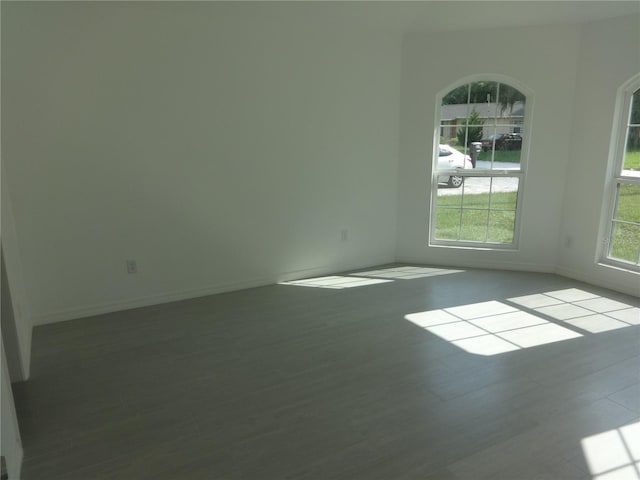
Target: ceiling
{"type": "Point", "coordinates": [442, 16]}
{"type": "Point", "coordinates": [437, 16]}
{"type": "Point", "coordinates": [399, 16]}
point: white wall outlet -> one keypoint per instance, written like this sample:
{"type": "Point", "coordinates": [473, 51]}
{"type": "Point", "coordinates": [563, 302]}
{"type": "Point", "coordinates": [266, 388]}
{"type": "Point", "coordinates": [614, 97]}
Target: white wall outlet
{"type": "Point", "coordinates": [568, 241]}
{"type": "Point", "coordinates": [132, 267]}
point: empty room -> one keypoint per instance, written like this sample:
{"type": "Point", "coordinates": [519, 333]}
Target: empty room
{"type": "Point", "coordinates": [320, 240]}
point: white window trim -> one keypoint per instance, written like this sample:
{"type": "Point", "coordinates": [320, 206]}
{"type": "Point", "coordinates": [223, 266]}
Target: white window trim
{"type": "Point", "coordinates": [521, 174]}
{"type": "Point", "coordinates": [622, 113]}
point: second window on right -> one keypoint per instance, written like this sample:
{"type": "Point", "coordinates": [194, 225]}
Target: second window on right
{"type": "Point", "coordinates": [622, 235]}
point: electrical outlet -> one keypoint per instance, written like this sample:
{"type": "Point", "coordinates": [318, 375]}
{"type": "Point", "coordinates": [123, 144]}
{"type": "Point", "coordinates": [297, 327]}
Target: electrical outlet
{"type": "Point", "coordinates": [568, 241]}
{"type": "Point", "coordinates": [344, 234]}
{"type": "Point", "coordinates": [132, 267]}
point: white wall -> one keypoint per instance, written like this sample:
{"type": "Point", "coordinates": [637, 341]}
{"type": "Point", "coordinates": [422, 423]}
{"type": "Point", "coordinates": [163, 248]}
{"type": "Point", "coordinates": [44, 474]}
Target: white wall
{"type": "Point", "coordinates": [225, 145]}
{"type": "Point", "coordinates": [20, 308]}
{"type": "Point", "coordinates": [10, 442]}
{"type": "Point", "coordinates": [542, 58]}
{"type": "Point", "coordinates": [219, 145]}
{"type": "Point", "coordinates": [609, 56]}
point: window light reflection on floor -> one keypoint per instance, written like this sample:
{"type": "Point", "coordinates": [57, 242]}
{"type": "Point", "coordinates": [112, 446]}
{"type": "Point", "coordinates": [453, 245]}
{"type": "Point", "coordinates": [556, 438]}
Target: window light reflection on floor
{"type": "Point", "coordinates": [384, 275]}
{"type": "Point", "coordinates": [615, 454]}
{"type": "Point", "coordinates": [493, 327]}
{"type": "Point", "coordinates": [490, 328]}
{"type": "Point", "coordinates": [581, 309]}
{"type": "Point", "coordinates": [336, 282]}
{"type": "Point", "coordinates": [407, 273]}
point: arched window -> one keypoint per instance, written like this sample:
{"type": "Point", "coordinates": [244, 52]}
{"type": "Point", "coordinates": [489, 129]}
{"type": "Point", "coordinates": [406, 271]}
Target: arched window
{"type": "Point", "coordinates": [621, 223]}
{"type": "Point", "coordinates": [479, 164]}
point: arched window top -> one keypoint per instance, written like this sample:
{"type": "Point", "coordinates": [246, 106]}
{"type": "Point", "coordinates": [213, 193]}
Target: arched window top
{"type": "Point", "coordinates": [486, 78]}
{"type": "Point", "coordinates": [632, 84]}
{"type": "Point", "coordinates": [487, 114]}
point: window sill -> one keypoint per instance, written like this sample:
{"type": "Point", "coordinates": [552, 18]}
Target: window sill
{"type": "Point", "coordinates": [635, 270]}
{"type": "Point", "coordinates": [484, 248]}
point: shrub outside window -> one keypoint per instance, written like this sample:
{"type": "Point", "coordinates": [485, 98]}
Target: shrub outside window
{"type": "Point", "coordinates": [479, 165]}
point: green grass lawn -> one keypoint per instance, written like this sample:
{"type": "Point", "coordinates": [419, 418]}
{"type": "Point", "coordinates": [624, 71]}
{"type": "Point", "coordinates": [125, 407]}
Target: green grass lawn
{"type": "Point", "coordinates": [632, 160]}
{"type": "Point", "coordinates": [625, 243]}
{"type": "Point", "coordinates": [477, 221]}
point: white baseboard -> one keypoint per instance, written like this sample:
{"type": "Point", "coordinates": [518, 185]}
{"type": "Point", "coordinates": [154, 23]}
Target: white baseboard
{"type": "Point", "coordinates": [619, 285]}
{"type": "Point", "coordinates": [489, 265]}
{"type": "Point", "coordinates": [146, 301]}
{"type": "Point", "coordinates": [99, 309]}
{"type": "Point", "coordinates": [14, 470]}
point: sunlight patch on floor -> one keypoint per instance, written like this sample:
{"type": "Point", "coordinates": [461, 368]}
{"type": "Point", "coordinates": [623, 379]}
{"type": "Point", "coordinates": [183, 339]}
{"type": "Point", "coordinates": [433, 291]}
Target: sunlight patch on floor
{"type": "Point", "coordinates": [614, 454]}
{"type": "Point", "coordinates": [358, 279]}
{"type": "Point", "coordinates": [581, 309]}
{"type": "Point", "coordinates": [490, 328]}
{"type": "Point", "coordinates": [493, 327]}
{"type": "Point", "coordinates": [336, 282]}
{"type": "Point", "coordinates": [407, 273]}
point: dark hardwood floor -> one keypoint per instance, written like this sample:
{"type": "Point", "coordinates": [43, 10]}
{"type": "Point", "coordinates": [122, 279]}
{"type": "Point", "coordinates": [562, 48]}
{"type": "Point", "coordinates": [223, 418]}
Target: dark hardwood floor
{"type": "Point", "coordinates": [294, 381]}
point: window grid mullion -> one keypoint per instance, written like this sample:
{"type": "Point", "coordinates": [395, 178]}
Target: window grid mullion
{"type": "Point", "coordinates": [461, 212]}
{"type": "Point", "coordinates": [495, 128]}
{"type": "Point", "coordinates": [486, 236]}
{"type": "Point", "coordinates": [625, 222]}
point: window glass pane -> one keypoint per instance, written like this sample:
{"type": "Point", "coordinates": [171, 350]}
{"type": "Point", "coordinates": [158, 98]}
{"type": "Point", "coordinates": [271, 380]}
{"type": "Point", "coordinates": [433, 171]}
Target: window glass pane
{"type": "Point", "coordinates": [511, 103]}
{"type": "Point", "coordinates": [449, 197]}
{"type": "Point", "coordinates": [483, 92]}
{"type": "Point", "coordinates": [628, 207]}
{"type": "Point", "coordinates": [625, 236]}
{"type": "Point", "coordinates": [489, 113]}
{"type": "Point", "coordinates": [474, 225]}
{"type": "Point", "coordinates": [631, 164]}
{"type": "Point", "coordinates": [476, 192]}
{"type": "Point", "coordinates": [501, 150]}
{"type": "Point", "coordinates": [624, 225]}
{"type": "Point", "coordinates": [634, 118]}
{"type": "Point", "coordinates": [451, 158]}
{"type": "Point", "coordinates": [625, 242]}
{"type": "Point", "coordinates": [453, 114]}
{"type": "Point", "coordinates": [502, 139]}
{"type": "Point", "coordinates": [501, 226]}
{"type": "Point", "coordinates": [482, 210]}
{"type": "Point", "coordinates": [504, 193]}
{"type": "Point", "coordinates": [447, 223]}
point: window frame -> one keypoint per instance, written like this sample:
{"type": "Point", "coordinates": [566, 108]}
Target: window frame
{"type": "Point", "coordinates": [525, 131]}
{"type": "Point", "coordinates": [615, 177]}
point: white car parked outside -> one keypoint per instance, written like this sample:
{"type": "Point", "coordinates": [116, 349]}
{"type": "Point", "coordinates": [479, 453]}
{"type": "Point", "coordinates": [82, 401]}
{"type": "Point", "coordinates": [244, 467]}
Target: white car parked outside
{"type": "Point", "coordinates": [449, 158]}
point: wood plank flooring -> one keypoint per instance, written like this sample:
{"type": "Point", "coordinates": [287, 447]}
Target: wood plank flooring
{"type": "Point", "coordinates": [296, 382]}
